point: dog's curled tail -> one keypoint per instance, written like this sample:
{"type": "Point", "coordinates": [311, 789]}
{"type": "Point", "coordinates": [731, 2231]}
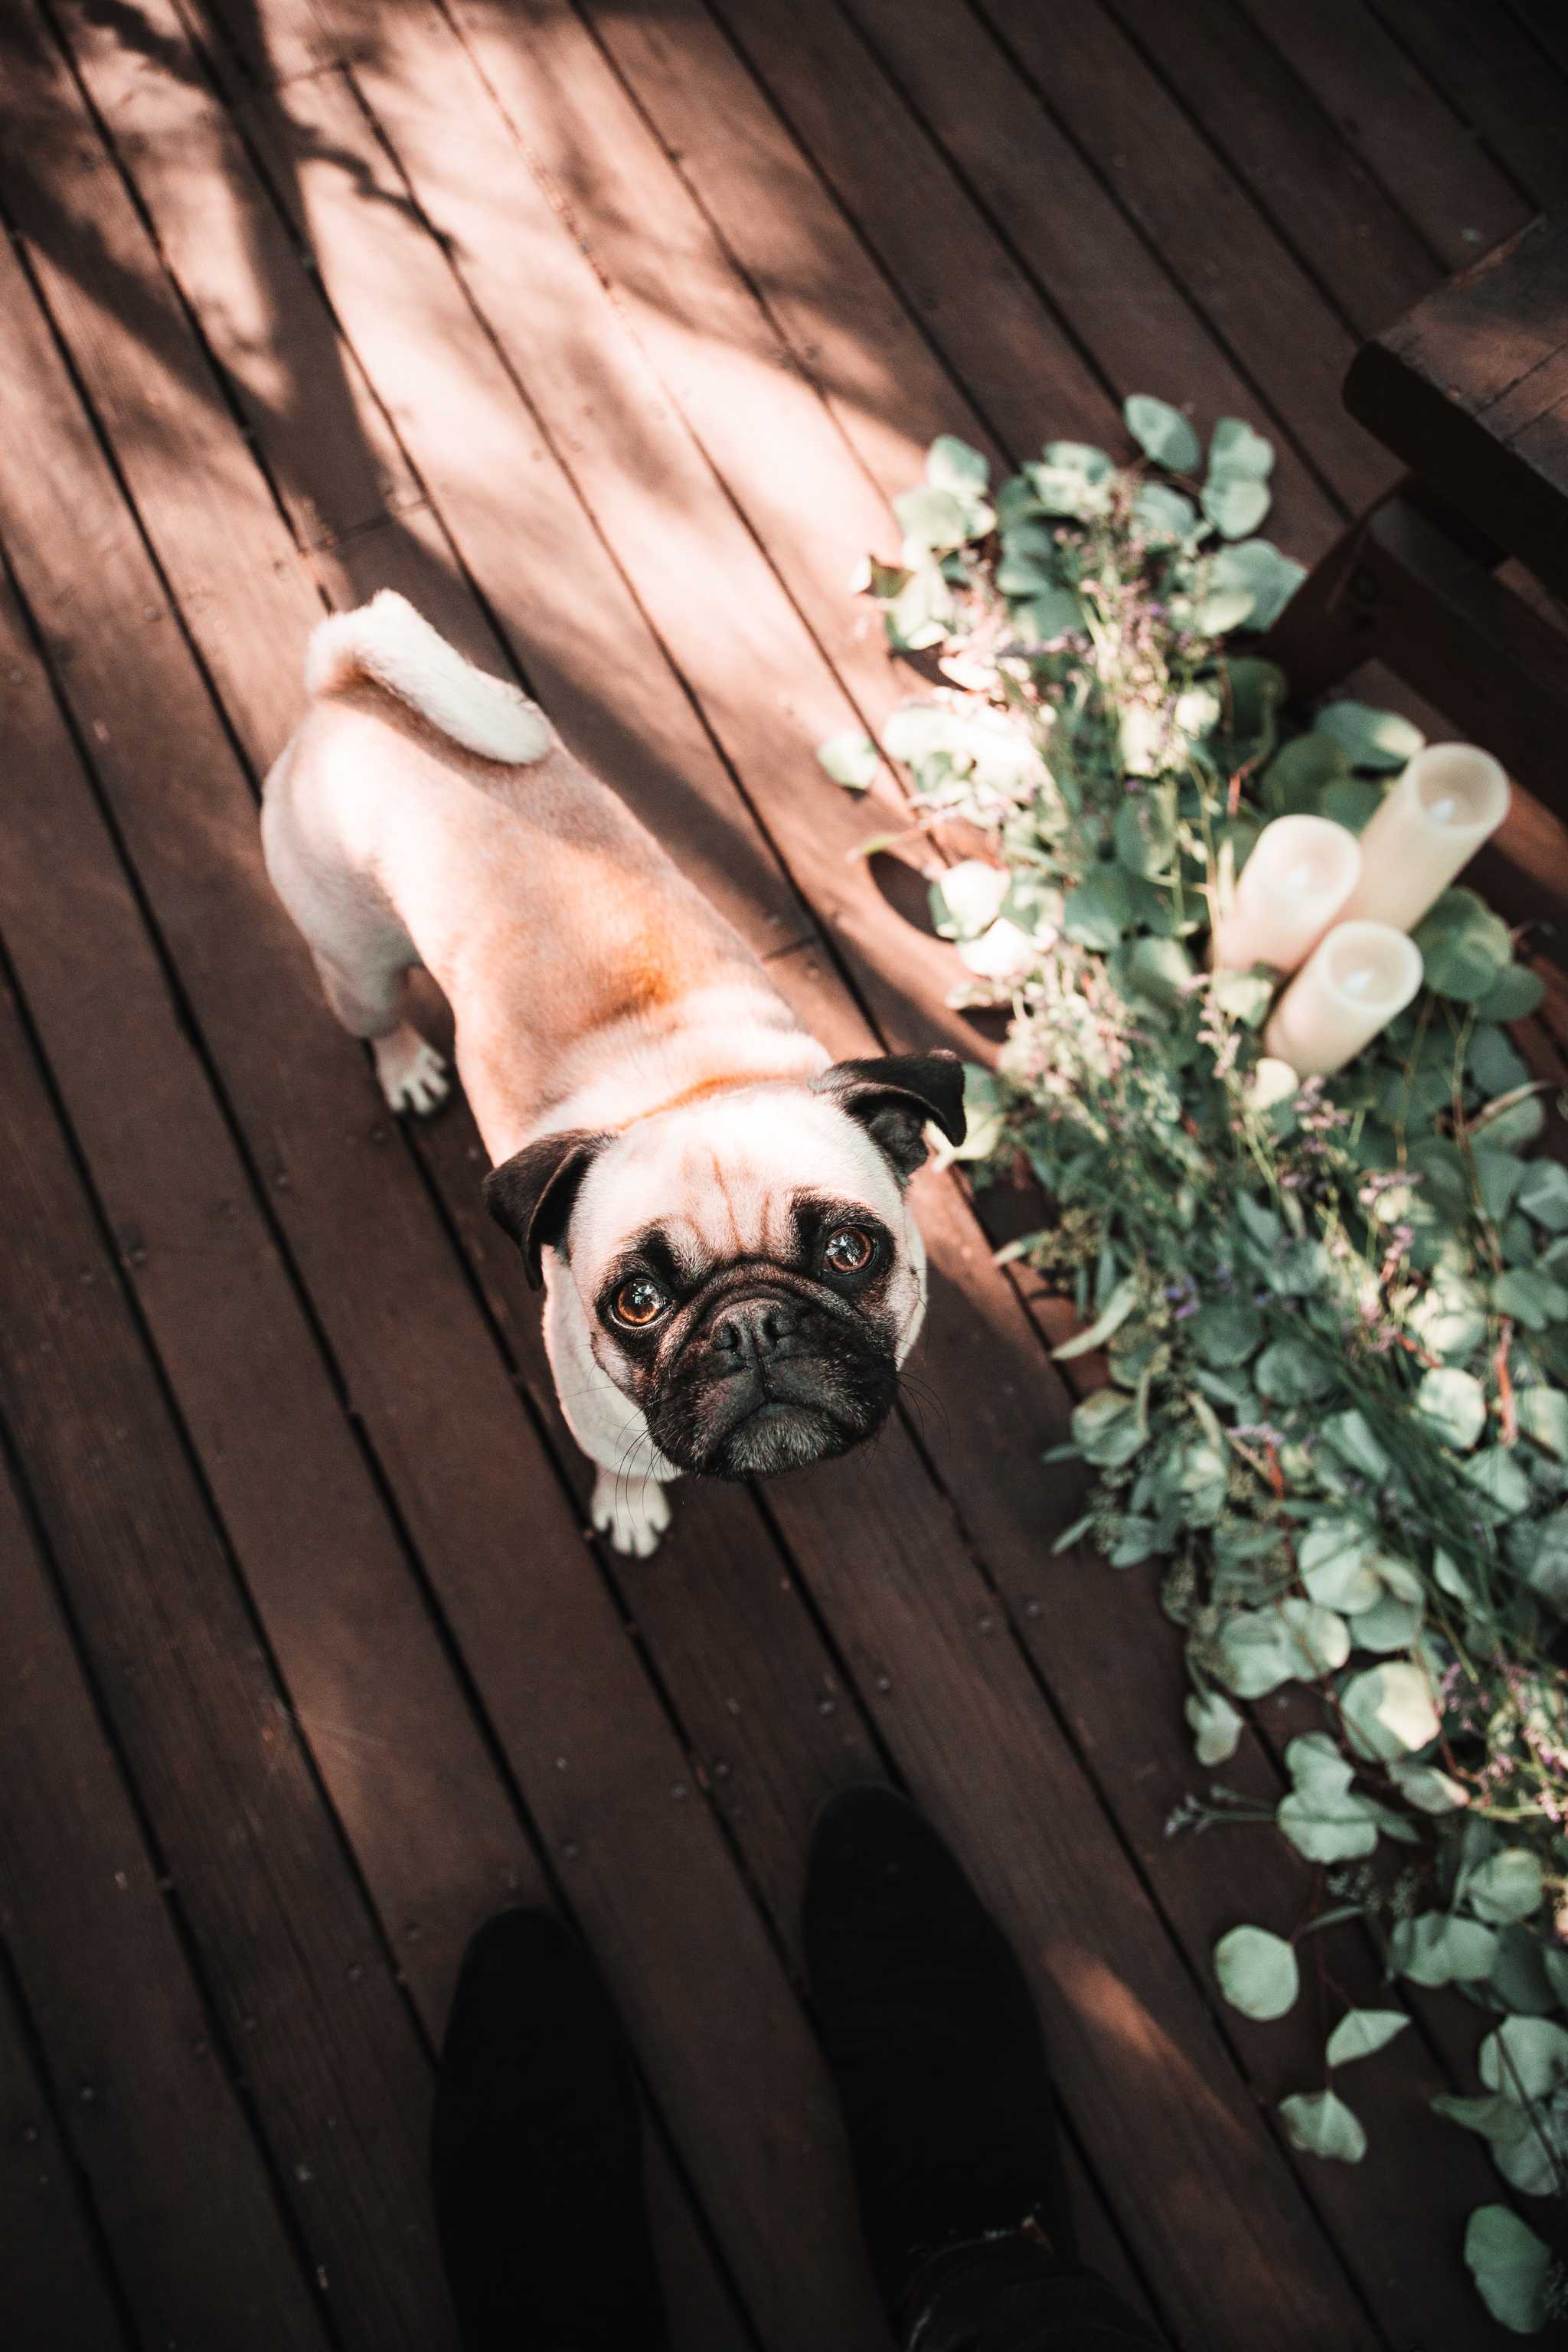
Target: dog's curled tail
{"type": "Point", "coordinates": [387, 641]}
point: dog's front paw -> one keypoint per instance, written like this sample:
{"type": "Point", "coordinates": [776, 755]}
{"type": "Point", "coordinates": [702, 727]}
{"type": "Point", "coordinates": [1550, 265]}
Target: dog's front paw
{"type": "Point", "coordinates": [413, 1076]}
{"type": "Point", "coordinates": [633, 1512]}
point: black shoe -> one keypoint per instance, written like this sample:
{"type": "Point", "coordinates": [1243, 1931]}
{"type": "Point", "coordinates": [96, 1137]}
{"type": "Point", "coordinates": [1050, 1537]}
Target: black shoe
{"type": "Point", "coordinates": [536, 2152]}
{"type": "Point", "coordinates": [932, 2041]}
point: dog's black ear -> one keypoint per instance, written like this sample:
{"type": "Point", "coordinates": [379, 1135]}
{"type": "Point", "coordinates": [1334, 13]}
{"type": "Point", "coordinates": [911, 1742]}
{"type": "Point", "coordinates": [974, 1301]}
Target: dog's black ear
{"type": "Point", "coordinates": [530, 1195]}
{"type": "Point", "coordinates": [895, 1095]}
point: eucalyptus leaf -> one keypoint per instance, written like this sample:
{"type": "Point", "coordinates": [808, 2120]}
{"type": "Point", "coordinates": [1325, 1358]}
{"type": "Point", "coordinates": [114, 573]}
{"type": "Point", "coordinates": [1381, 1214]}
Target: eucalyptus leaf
{"type": "Point", "coordinates": [953, 464]}
{"type": "Point", "coordinates": [1518, 1980]}
{"type": "Point", "coordinates": [1335, 1558]}
{"type": "Point", "coordinates": [1321, 1637]}
{"type": "Point", "coordinates": [1495, 1473]}
{"type": "Point", "coordinates": [1162, 432]}
{"type": "Point", "coordinates": [1235, 447]}
{"type": "Point", "coordinates": [932, 519]}
{"type": "Point", "coordinates": [1257, 1973]}
{"type": "Point", "coordinates": [1107, 1428]}
{"type": "Point", "coordinates": [1328, 1827]}
{"type": "Point", "coordinates": [1379, 739]}
{"type": "Point", "coordinates": [1351, 800]}
{"type": "Point", "coordinates": [1145, 833]}
{"type": "Point", "coordinates": [1454, 1404]}
{"type": "Point", "coordinates": [1002, 953]}
{"type": "Point", "coordinates": [851, 760]}
{"type": "Point", "coordinates": [1297, 776]}
{"type": "Point", "coordinates": [1048, 614]}
{"type": "Point", "coordinates": [1393, 1623]}
{"type": "Point", "coordinates": [1464, 947]}
{"type": "Point", "coordinates": [1351, 1435]}
{"type": "Point", "coordinates": [1435, 1948]}
{"type": "Point", "coordinates": [1512, 2268]}
{"type": "Point", "coordinates": [1427, 1789]}
{"type": "Point", "coordinates": [1388, 1711]}
{"type": "Point", "coordinates": [1226, 1332]}
{"type": "Point", "coordinates": [1162, 514]}
{"type": "Point", "coordinates": [1293, 1373]}
{"type": "Point", "coordinates": [1099, 912]}
{"type": "Point", "coordinates": [1028, 575]}
{"type": "Point", "coordinates": [1525, 2058]}
{"type": "Point", "coordinates": [1319, 2124]}
{"type": "Point", "coordinates": [1073, 480]}
{"type": "Point", "coordinates": [1542, 1414]}
{"type": "Point", "coordinates": [1159, 971]}
{"type": "Point", "coordinates": [1519, 2148]}
{"type": "Point", "coordinates": [1215, 1726]}
{"type": "Point", "coordinates": [920, 614]}
{"type": "Point", "coordinates": [1506, 1886]}
{"type": "Point", "coordinates": [1255, 1652]}
{"type": "Point", "coordinates": [1234, 503]}
{"type": "Point", "coordinates": [965, 898]}
{"type": "Point", "coordinates": [1121, 1303]}
{"type": "Point", "coordinates": [1513, 995]}
{"type": "Point", "coordinates": [1543, 1195]}
{"type": "Point", "coordinates": [1362, 2033]}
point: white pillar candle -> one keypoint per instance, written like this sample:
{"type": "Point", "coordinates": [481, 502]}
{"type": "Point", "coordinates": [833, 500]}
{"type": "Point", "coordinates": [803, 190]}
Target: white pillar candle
{"type": "Point", "coordinates": [1436, 816]}
{"type": "Point", "coordinates": [1300, 872]}
{"type": "Point", "coordinates": [1349, 988]}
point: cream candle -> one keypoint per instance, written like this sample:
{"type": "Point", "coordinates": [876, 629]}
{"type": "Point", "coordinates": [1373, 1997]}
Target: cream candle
{"type": "Point", "coordinates": [1298, 878]}
{"type": "Point", "coordinates": [1350, 987]}
{"type": "Point", "coordinates": [1450, 797]}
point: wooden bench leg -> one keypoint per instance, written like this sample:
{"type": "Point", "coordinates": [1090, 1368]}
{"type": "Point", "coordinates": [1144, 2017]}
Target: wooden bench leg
{"type": "Point", "coordinates": [1323, 631]}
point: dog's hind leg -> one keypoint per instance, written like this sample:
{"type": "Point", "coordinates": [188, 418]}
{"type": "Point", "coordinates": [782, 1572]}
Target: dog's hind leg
{"type": "Point", "coordinates": [369, 1003]}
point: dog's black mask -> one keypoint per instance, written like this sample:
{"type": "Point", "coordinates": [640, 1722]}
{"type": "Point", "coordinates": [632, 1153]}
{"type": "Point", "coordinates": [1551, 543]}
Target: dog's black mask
{"type": "Point", "coordinates": [766, 1371]}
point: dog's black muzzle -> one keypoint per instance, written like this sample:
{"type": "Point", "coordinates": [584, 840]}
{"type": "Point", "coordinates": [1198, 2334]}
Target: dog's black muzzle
{"type": "Point", "coordinates": [770, 1374]}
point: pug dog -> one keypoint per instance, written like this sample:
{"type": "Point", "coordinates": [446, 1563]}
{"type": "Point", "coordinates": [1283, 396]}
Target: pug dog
{"type": "Point", "coordinates": [717, 1210]}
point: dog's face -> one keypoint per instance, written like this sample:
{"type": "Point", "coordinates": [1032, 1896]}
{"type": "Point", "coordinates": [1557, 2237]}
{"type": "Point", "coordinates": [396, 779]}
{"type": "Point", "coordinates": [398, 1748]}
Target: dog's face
{"type": "Point", "coordinates": [750, 1274]}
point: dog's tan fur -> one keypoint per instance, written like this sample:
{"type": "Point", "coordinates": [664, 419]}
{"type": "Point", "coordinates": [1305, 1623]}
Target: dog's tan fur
{"type": "Point", "coordinates": [591, 986]}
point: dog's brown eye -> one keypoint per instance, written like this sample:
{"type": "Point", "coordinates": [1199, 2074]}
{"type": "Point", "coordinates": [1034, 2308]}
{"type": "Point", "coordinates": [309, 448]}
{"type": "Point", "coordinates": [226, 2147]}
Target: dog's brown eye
{"type": "Point", "coordinates": [849, 1251]}
{"type": "Point", "coordinates": [638, 1303]}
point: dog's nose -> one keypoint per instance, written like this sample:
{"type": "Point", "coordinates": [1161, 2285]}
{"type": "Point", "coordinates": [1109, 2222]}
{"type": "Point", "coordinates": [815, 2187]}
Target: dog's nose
{"type": "Point", "coordinates": [754, 1328]}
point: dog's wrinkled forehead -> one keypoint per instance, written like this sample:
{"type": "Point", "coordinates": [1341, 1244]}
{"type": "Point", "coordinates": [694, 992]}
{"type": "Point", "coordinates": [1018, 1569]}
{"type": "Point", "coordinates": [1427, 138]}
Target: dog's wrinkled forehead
{"type": "Point", "coordinates": [721, 1179]}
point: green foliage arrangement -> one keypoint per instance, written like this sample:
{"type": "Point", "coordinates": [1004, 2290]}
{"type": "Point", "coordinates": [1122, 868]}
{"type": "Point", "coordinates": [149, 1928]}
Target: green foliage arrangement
{"type": "Point", "coordinates": [1336, 1316]}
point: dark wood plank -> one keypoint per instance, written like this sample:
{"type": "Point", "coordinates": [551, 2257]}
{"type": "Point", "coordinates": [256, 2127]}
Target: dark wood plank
{"type": "Point", "coordinates": [57, 2290]}
{"type": "Point", "coordinates": [1547, 26]}
{"type": "Point", "coordinates": [1409, 137]}
{"type": "Point", "coordinates": [1497, 79]}
{"type": "Point", "coordinates": [297, 1977]}
{"type": "Point", "coordinates": [1346, 232]}
{"type": "Point", "coordinates": [432, 1827]}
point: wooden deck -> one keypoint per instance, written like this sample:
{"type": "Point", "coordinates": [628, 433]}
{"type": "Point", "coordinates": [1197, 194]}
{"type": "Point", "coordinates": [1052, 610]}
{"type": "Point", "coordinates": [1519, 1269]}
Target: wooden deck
{"type": "Point", "coordinates": [605, 334]}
